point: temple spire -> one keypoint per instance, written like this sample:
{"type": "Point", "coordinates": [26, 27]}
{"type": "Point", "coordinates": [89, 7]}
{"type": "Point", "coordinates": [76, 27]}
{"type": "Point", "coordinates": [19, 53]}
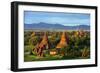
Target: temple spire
{"type": "Point", "coordinates": [63, 41]}
{"type": "Point", "coordinates": [42, 45]}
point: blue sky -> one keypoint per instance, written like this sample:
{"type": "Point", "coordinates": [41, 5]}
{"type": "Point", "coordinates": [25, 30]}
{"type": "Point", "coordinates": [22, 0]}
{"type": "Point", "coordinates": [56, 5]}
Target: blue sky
{"type": "Point", "coordinates": [67, 19]}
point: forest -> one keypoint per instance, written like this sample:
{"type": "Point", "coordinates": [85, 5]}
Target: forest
{"type": "Point", "coordinates": [56, 45]}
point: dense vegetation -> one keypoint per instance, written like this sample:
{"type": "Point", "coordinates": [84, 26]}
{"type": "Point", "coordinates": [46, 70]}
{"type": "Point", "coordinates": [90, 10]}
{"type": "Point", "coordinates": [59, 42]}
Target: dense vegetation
{"type": "Point", "coordinates": [78, 45]}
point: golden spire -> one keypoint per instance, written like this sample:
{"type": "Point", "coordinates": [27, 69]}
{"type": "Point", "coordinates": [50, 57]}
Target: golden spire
{"type": "Point", "coordinates": [45, 39]}
{"type": "Point", "coordinates": [63, 41]}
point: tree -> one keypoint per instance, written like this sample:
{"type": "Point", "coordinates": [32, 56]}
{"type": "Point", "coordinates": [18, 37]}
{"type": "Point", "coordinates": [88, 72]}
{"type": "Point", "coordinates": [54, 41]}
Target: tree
{"type": "Point", "coordinates": [53, 40]}
{"type": "Point", "coordinates": [85, 52]}
{"type": "Point", "coordinates": [27, 37]}
{"type": "Point", "coordinates": [34, 40]}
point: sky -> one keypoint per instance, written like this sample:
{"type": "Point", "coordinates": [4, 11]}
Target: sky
{"type": "Point", "coordinates": [66, 19]}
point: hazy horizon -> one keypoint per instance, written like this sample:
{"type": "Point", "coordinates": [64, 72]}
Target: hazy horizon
{"type": "Point", "coordinates": [66, 19]}
{"type": "Point", "coordinates": [59, 24]}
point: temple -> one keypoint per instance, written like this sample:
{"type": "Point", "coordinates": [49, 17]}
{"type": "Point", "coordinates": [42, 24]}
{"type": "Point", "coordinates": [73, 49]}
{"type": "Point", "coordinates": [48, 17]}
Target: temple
{"type": "Point", "coordinates": [42, 46]}
{"type": "Point", "coordinates": [63, 41]}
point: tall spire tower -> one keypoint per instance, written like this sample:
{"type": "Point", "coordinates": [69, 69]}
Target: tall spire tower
{"type": "Point", "coordinates": [42, 45]}
{"type": "Point", "coordinates": [63, 41]}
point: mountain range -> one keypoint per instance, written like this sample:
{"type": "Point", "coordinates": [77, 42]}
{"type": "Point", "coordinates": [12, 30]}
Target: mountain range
{"type": "Point", "coordinates": [48, 26]}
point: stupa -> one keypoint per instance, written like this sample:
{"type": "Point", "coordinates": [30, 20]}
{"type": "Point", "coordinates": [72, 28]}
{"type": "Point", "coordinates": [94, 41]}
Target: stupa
{"type": "Point", "coordinates": [63, 41]}
{"type": "Point", "coordinates": [42, 45]}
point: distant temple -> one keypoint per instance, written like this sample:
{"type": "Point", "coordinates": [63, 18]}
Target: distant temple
{"type": "Point", "coordinates": [33, 34]}
{"type": "Point", "coordinates": [63, 41]}
{"type": "Point", "coordinates": [79, 33]}
{"type": "Point", "coordinates": [42, 45]}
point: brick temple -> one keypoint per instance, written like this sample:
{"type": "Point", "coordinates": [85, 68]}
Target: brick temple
{"type": "Point", "coordinates": [42, 45]}
{"type": "Point", "coordinates": [63, 41]}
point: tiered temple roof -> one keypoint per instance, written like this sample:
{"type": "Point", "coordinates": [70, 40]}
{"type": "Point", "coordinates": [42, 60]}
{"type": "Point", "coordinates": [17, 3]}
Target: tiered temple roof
{"type": "Point", "coordinates": [42, 45]}
{"type": "Point", "coordinates": [63, 41]}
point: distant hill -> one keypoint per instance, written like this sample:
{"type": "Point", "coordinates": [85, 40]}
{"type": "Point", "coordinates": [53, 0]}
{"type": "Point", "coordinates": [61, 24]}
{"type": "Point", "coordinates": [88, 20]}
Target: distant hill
{"type": "Point", "coordinates": [47, 26]}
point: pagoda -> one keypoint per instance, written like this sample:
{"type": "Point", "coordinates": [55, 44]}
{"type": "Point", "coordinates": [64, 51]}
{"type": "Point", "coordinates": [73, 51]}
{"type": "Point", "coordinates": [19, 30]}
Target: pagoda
{"type": "Point", "coordinates": [42, 46]}
{"type": "Point", "coordinates": [63, 41]}
{"type": "Point", "coordinates": [80, 33]}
